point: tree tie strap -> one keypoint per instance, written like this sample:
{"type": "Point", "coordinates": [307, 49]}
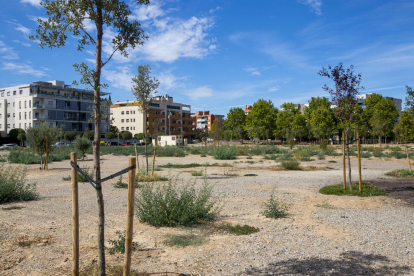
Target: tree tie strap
{"type": "Point", "coordinates": [90, 180]}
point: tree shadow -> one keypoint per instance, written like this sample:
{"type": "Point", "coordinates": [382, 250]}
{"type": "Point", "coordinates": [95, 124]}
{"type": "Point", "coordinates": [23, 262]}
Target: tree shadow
{"type": "Point", "coordinates": [349, 263]}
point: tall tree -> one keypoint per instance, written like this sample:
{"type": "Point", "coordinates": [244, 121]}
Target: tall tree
{"type": "Point", "coordinates": [405, 127]}
{"type": "Point", "coordinates": [285, 118]}
{"type": "Point", "coordinates": [235, 118]}
{"type": "Point", "coordinates": [370, 102]}
{"type": "Point", "coordinates": [70, 17]}
{"type": "Point", "coordinates": [347, 86]}
{"type": "Point", "coordinates": [263, 115]}
{"type": "Point", "coordinates": [36, 138]}
{"type": "Point", "coordinates": [409, 100]}
{"type": "Point", "coordinates": [322, 122]}
{"type": "Point", "coordinates": [144, 89]}
{"type": "Point", "coordinates": [384, 118]}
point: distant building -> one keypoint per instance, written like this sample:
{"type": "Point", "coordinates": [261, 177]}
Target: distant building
{"type": "Point", "coordinates": [397, 102]}
{"type": "Point", "coordinates": [205, 119]}
{"type": "Point", "coordinates": [247, 109]}
{"type": "Point", "coordinates": [164, 116]}
{"type": "Point", "coordinates": [54, 102]}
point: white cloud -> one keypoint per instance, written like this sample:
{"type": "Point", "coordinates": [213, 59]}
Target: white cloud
{"type": "Point", "coordinates": [253, 71]}
{"type": "Point", "coordinates": [273, 89]}
{"type": "Point", "coordinates": [21, 28]}
{"type": "Point", "coordinates": [23, 69]}
{"type": "Point", "coordinates": [147, 12]}
{"type": "Point", "coordinates": [7, 52]}
{"type": "Point", "coordinates": [35, 18]}
{"type": "Point", "coordinates": [35, 3]}
{"type": "Point", "coordinates": [120, 78]}
{"type": "Point", "coordinates": [199, 92]}
{"type": "Point", "coordinates": [315, 5]}
{"type": "Point", "coordinates": [215, 9]}
{"type": "Point", "coordinates": [169, 81]}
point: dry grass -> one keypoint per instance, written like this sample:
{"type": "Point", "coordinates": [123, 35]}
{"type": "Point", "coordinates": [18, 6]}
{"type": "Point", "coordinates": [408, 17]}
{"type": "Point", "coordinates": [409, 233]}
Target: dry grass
{"type": "Point", "coordinates": [25, 240]}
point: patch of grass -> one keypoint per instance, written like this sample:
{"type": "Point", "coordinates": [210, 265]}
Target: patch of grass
{"type": "Point", "coordinates": [243, 230]}
{"type": "Point", "coordinates": [120, 185]}
{"type": "Point", "coordinates": [332, 161]}
{"type": "Point", "coordinates": [365, 155]}
{"type": "Point", "coordinates": [226, 153]}
{"type": "Point", "coordinates": [249, 157]}
{"type": "Point", "coordinates": [92, 270]}
{"type": "Point", "coordinates": [378, 154]}
{"type": "Point", "coordinates": [12, 208]}
{"type": "Point", "coordinates": [326, 206]}
{"type": "Point", "coordinates": [401, 173]}
{"type": "Point", "coordinates": [185, 240]}
{"type": "Point", "coordinates": [174, 204]}
{"type": "Point", "coordinates": [171, 151]}
{"type": "Point", "coordinates": [203, 155]}
{"type": "Point", "coordinates": [397, 155]}
{"type": "Point", "coordinates": [321, 155]}
{"type": "Point", "coordinates": [27, 241]}
{"type": "Point", "coordinates": [250, 162]}
{"type": "Point", "coordinates": [66, 178]}
{"type": "Point", "coordinates": [290, 165]}
{"type": "Point", "coordinates": [13, 185]}
{"type": "Point", "coordinates": [157, 168]}
{"type": "Point", "coordinates": [197, 173]}
{"type": "Point", "coordinates": [86, 170]}
{"type": "Point", "coordinates": [2, 160]}
{"type": "Point", "coordinates": [274, 209]}
{"type": "Point", "coordinates": [250, 174]}
{"type": "Point", "coordinates": [194, 165]}
{"type": "Point", "coordinates": [118, 245]}
{"type": "Point", "coordinates": [367, 190]}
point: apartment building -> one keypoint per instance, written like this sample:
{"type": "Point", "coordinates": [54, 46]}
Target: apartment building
{"type": "Point", "coordinates": [164, 116]}
{"type": "Point", "coordinates": [247, 109]}
{"type": "Point", "coordinates": [205, 119]}
{"type": "Point", "coordinates": [54, 102]}
{"type": "Point", "coordinates": [397, 102]}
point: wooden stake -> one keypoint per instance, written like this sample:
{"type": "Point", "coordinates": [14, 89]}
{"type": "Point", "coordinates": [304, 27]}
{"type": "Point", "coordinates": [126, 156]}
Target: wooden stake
{"type": "Point", "coordinates": [359, 162]}
{"type": "Point", "coordinates": [408, 157]}
{"type": "Point", "coordinates": [343, 159]}
{"type": "Point", "coordinates": [130, 218]}
{"type": "Point", "coordinates": [75, 217]}
{"type": "Point", "coordinates": [153, 163]}
{"type": "Point", "coordinates": [47, 152]}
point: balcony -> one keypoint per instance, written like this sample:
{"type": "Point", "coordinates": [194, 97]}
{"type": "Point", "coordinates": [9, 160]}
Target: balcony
{"type": "Point", "coordinates": [43, 106]}
{"type": "Point", "coordinates": [40, 117]}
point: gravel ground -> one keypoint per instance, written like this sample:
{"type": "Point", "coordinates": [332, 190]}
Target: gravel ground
{"type": "Point", "coordinates": [361, 236]}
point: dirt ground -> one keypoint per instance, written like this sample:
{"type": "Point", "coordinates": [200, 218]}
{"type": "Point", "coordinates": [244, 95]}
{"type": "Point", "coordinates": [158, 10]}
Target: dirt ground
{"type": "Point", "coordinates": [36, 239]}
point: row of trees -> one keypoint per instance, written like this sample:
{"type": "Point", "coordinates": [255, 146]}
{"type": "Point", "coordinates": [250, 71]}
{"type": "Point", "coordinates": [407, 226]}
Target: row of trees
{"type": "Point", "coordinates": [377, 119]}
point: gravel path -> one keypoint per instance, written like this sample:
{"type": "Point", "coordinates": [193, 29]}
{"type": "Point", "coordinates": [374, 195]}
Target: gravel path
{"type": "Point", "coordinates": [361, 236]}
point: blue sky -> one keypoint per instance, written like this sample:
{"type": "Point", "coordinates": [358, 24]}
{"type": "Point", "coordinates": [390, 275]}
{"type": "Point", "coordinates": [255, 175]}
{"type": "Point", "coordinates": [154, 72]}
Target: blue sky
{"type": "Point", "coordinates": [216, 55]}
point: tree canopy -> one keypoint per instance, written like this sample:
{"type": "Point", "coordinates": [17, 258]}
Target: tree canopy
{"type": "Point", "coordinates": [263, 115]}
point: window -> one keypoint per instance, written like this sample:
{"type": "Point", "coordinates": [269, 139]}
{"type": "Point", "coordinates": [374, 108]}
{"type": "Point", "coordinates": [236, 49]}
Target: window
{"type": "Point", "coordinates": [14, 93]}
{"type": "Point", "coordinates": [30, 114]}
{"type": "Point", "coordinates": [8, 93]}
{"type": "Point", "coordinates": [2, 94]}
{"type": "Point", "coordinates": [0, 125]}
{"type": "Point", "coordinates": [122, 128]}
{"type": "Point", "coordinates": [30, 103]}
{"type": "Point", "coordinates": [25, 104]}
{"type": "Point", "coordinates": [122, 112]}
{"type": "Point", "coordinates": [14, 115]}
{"type": "Point", "coordinates": [25, 117]}
{"type": "Point", "coordinates": [122, 120]}
{"type": "Point", "coordinates": [14, 126]}
{"type": "Point", "coordinates": [134, 120]}
{"type": "Point", "coordinates": [8, 115]}
{"type": "Point", "coordinates": [30, 124]}
{"type": "Point", "coordinates": [127, 120]}
{"type": "Point", "coordinates": [13, 104]}
{"type": "Point", "coordinates": [20, 115]}
{"type": "Point", "coordinates": [0, 104]}
{"type": "Point", "coordinates": [8, 104]}
{"type": "Point", "coordinates": [21, 92]}
{"type": "Point", "coordinates": [8, 125]}
{"type": "Point", "coordinates": [24, 125]}
{"type": "Point", "coordinates": [0, 115]}
{"type": "Point", "coordinates": [20, 125]}
{"type": "Point", "coordinates": [20, 105]}
{"type": "Point", "coordinates": [127, 128]}
{"type": "Point", "coordinates": [127, 112]}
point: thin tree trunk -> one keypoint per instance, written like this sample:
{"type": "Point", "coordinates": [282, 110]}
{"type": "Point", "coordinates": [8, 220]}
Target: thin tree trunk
{"type": "Point", "coordinates": [146, 147]}
{"type": "Point", "coordinates": [349, 163]}
{"type": "Point", "coordinates": [97, 142]}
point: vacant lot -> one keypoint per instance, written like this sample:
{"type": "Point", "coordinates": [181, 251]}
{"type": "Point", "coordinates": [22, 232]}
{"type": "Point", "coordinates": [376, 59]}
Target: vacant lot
{"type": "Point", "coordinates": [323, 235]}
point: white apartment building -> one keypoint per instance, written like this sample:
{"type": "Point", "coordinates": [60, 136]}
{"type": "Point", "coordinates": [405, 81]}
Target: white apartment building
{"type": "Point", "coordinates": [55, 102]}
{"type": "Point", "coordinates": [165, 116]}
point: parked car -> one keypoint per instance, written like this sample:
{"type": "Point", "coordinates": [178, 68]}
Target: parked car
{"type": "Point", "coordinates": [114, 144]}
{"type": "Point", "coordinates": [127, 144]}
{"type": "Point", "coordinates": [136, 143]}
{"type": "Point", "coordinates": [58, 144]}
{"type": "Point", "coordinates": [9, 146]}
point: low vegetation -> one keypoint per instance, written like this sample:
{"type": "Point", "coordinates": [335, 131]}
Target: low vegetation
{"type": "Point", "coordinates": [274, 209]}
{"type": "Point", "coordinates": [290, 165]}
{"type": "Point", "coordinates": [143, 176]}
{"type": "Point", "coordinates": [197, 173]}
{"type": "Point", "coordinates": [226, 153]}
{"type": "Point", "coordinates": [185, 240]}
{"type": "Point", "coordinates": [401, 173]}
{"type": "Point", "coordinates": [367, 190]}
{"type": "Point", "coordinates": [242, 230]}
{"type": "Point", "coordinates": [13, 186]}
{"type": "Point", "coordinates": [93, 270]}
{"type": "Point", "coordinates": [172, 204]}
{"type": "Point", "coordinates": [118, 245]}
{"type": "Point", "coordinates": [326, 206]}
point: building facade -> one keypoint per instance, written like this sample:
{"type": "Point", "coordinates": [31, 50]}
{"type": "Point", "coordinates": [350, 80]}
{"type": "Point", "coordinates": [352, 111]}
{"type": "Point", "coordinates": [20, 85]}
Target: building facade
{"type": "Point", "coordinates": [54, 102]}
{"type": "Point", "coordinates": [247, 109]}
{"type": "Point", "coordinates": [205, 119]}
{"type": "Point", "coordinates": [397, 102]}
{"type": "Point", "coordinates": [165, 116]}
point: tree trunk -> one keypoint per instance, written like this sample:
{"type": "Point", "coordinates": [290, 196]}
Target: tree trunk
{"type": "Point", "coordinates": [97, 143]}
{"type": "Point", "coordinates": [146, 147]}
{"type": "Point", "coordinates": [349, 163]}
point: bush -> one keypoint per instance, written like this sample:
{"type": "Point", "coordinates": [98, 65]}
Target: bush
{"type": "Point", "coordinates": [197, 173]}
{"type": "Point", "coordinates": [184, 240]}
{"type": "Point", "coordinates": [290, 165]}
{"type": "Point", "coordinates": [397, 155]}
{"type": "Point", "coordinates": [22, 156]}
{"type": "Point", "coordinates": [86, 170]}
{"type": "Point", "coordinates": [367, 190]}
{"type": "Point", "coordinates": [173, 205]}
{"type": "Point", "coordinates": [401, 173]}
{"type": "Point", "coordinates": [365, 155]}
{"type": "Point", "coordinates": [274, 209]}
{"type": "Point", "coordinates": [226, 153]}
{"type": "Point", "coordinates": [143, 176]}
{"type": "Point", "coordinates": [171, 151]}
{"type": "Point", "coordinates": [82, 144]}
{"type": "Point", "coordinates": [323, 145]}
{"type": "Point", "coordinates": [321, 155]}
{"type": "Point", "coordinates": [242, 150]}
{"type": "Point", "coordinates": [242, 230]}
{"type": "Point", "coordinates": [119, 245]}
{"type": "Point", "coordinates": [13, 186]}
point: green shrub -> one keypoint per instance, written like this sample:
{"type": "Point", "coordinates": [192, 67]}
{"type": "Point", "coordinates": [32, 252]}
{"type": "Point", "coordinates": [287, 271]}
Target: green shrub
{"type": "Point", "coordinates": [242, 230]}
{"type": "Point", "coordinates": [323, 145]}
{"type": "Point", "coordinates": [395, 149]}
{"type": "Point", "coordinates": [378, 154]}
{"type": "Point", "coordinates": [250, 162]}
{"type": "Point", "coordinates": [274, 209]}
{"type": "Point", "coordinates": [197, 173]}
{"type": "Point", "coordinates": [321, 155]}
{"type": "Point", "coordinates": [22, 156]}
{"type": "Point", "coordinates": [326, 206]}
{"type": "Point", "coordinates": [143, 176]}
{"type": "Point", "coordinates": [226, 153]}
{"type": "Point", "coordinates": [119, 244]}
{"type": "Point", "coordinates": [185, 240]}
{"type": "Point", "coordinates": [171, 151]}
{"type": "Point", "coordinates": [401, 173]}
{"type": "Point", "coordinates": [182, 166]}
{"type": "Point", "coordinates": [250, 174]}
{"type": "Point", "coordinates": [86, 170]}
{"type": "Point", "coordinates": [120, 184]}
{"type": "Point", "coordinates": [367, 190]}
{"type": "Point", "coordinates": [290, 165]}
{"type": "Point", "coordinates": [365, 155]}
{"type": "Point", "coordinates": [13, 185]}
{"type": "Point", "coordinates": [242, 150]}
{"type": "Point", "coordinates": [194, 150]}
{"type": "Point", "coordinates": [397, 155]}
{"type": "Point", "coordinates": [174, 205]}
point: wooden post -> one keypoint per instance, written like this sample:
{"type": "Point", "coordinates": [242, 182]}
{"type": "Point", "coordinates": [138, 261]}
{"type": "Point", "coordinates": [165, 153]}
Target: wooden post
{"type": "Point", "coordinates": [359, 162]}
{"type": "Point", "coordinates": [130, 218]}
{"type": "Point", "coordinates": [408, 157]}
{"type": "Point", "coordinates": [75, 217]}
{"type": "Point", "coordinates": [136, 156]}
{"type": "Point", "coordinates": [343, 158]}
{"type": "Point", "coordinates": [47, 152]}
{"type": "Point", "coordinates": [153, 163]}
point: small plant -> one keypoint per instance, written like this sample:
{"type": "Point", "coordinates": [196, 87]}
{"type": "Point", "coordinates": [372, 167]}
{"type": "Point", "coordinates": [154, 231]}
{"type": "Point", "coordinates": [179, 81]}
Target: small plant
{"type": "Point", "coordinates": [197, 173]}
{"type": "Point", "coordinates": [185, 240]}
{"type": "Point", "coordinates": [226, 153]}
{"type": "Point", "coordinates": [250, 174]}
{"type": "Point", "coordinates": [323, 145]}
{"type": "Point", "coordinates": [143, 176]}
{"type": "Point", "coordinates": [326, 206]}
{"type": "Point", "coordinates": [332, 161]}
{"type": "Point", "coordinates": [119, 244]}
{"type": "Point", "coordinates": [321, 155]}
{"type": "Point", "coordinates": [401, 173]}
{"type": "Point", "coordinates": [243, 230]}
{"type": "Point", "coordinates": [13, 185]}
{"type": "Point", "coordinates": [274, 209]}
{"type": "Point", "coordinates": [120, 185]}
{"type": "Point", "coordinates": [249, 157]}
{"type": "Point", "coordinates": [290, 165]}
{"type": "Point", "coordinates": [250, 162]}
{"type": "Point", "coordinates": [66, 178]}
{"type": "Point", "coordinates": [367, 190]}
{"type": "Point", "coordinates": [88, 172]}
{"type": "Point", "coordinates": [203, 155]}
